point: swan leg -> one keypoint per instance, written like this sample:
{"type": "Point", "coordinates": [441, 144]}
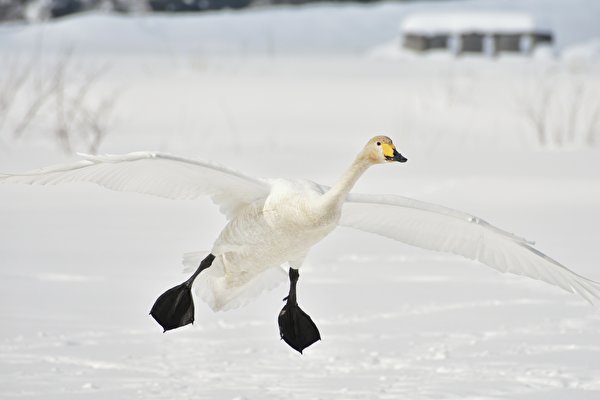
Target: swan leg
{"type": "Point", "coordinates": [296, 328]}
{"type": "Point", "coordinates": [175, 307]}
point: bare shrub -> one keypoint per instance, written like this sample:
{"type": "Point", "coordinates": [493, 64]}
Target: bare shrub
{"type": "Point", "coordinates": [63, 97]}
{"type": "Point", "coordinates": [11, 84]}
{"type": "Point", "coordinates": [96, 122]}
{"type": "Point", "coordinates": [534, 104]}
{"type": "Point", "coordinates": [593, 128]}
{"type": "Point", "coordinates": [561, 107]}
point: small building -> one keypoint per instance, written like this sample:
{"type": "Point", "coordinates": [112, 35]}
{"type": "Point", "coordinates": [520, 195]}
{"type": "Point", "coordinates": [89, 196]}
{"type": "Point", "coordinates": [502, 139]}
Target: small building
{"type": "Point", "coordinates": [488, 33]}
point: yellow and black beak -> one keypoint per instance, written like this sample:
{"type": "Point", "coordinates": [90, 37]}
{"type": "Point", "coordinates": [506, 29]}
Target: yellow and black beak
{"type": "Point", "coordinates": [391, 154]}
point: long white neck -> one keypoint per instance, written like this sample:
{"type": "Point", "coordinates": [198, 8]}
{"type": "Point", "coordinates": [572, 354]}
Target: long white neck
{"type": "Point", "coordinates": [336, 196]}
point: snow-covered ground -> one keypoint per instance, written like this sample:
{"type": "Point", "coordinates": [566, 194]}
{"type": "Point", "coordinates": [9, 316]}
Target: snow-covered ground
{"type": "Point", "coordinates": [296, 93]}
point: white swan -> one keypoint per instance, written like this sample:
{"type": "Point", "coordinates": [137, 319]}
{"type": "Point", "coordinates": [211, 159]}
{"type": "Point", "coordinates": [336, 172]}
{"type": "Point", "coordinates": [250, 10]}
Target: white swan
{"type": "Point", "coordinates": [274, 221]}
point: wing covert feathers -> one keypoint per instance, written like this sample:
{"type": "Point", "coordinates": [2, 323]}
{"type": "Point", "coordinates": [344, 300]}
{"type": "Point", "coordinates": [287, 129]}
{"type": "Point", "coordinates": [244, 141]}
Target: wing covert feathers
{"type": "Point", "coordinates": [158, 174]}
{"type": "Point", "coordinates": [442, 229]}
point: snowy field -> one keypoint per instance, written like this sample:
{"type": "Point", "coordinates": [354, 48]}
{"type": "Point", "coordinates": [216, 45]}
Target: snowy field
{"type": "Point", "coordinates": [296, 93]}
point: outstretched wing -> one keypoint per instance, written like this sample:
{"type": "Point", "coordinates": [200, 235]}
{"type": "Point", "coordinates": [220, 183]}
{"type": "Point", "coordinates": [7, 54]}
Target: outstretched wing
{"type": "Point", "coordinates": [442, 229]}
{"type": "Point", "coordinates": [157, 174]}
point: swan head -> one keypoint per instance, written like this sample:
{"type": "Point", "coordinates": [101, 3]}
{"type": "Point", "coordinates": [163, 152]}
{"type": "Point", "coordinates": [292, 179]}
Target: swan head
{"type": "Point", "coordinates": [381, 149]}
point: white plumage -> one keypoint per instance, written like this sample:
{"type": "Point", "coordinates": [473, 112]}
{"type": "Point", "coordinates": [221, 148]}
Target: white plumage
{"type": "Point", "coordinates": [274, 221]}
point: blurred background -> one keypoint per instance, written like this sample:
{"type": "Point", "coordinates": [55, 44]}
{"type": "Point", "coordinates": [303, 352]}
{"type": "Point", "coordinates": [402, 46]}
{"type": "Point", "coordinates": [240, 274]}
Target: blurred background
{"type": "Point", "coordinates": [188, 76]}
{"type": "Point", "coordinates": [496, 104]}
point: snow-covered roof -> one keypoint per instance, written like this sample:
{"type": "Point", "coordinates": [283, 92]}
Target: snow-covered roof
{"type": "Point", "coordinates": [474, 21]}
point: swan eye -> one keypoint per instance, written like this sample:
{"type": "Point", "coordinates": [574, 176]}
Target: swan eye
{"type": "Point", "coordinates": [378, 143]}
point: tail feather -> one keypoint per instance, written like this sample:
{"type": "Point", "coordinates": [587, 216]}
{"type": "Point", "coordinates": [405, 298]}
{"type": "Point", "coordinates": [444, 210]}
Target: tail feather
{"type": "Point", "coordinates": [214, 287]}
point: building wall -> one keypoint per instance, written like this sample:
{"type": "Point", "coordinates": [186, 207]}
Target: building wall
{"type": "Point", "coordinates": [475, 42]}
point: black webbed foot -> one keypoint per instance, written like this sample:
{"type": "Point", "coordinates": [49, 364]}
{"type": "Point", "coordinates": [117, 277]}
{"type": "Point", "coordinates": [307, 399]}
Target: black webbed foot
{"type": "Point", "coordinates": [296, 327]}
{"type": "Point", "coordinates": [174, 308]}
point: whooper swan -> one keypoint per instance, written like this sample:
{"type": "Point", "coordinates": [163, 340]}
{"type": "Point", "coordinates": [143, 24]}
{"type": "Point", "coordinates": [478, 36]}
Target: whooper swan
{"type": "Point", "coordinates": [277, 221]}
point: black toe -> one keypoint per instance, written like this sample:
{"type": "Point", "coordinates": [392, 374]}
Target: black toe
{"type": "Point", "coordinates": [296, 328]}
{"type": "Point", "coordinates": [174, 308]}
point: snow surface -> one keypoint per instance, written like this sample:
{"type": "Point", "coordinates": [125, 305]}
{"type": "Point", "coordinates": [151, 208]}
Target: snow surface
{"type": "Point", "coordinates": [260, 92]}
{"type": "Point", "coordinates": [457, 22]}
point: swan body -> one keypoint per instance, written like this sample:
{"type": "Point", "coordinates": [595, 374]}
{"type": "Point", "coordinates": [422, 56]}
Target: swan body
{"type": "Point", "coordinates": [277, 221]}
{"type": "Point", "coordinates": [264, 235]}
